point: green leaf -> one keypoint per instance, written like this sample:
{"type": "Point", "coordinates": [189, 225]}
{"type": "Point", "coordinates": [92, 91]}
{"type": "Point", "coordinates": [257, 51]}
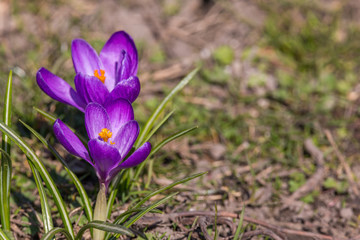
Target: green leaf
{"type": "Point", "coordinates": [120, 218]}
{"type": "Point", "coordinates": [44, 174]}
{"type": "Point", "coordinates": [52, 119]}
{"type": "Point", "coordinates": [224, 55]}
{"type": "Point", "coordinates": [107, 227]}
{"type": "Point", "coordinates": [184, 180]}
{"type": "Point", "coordinates": [148, 209]}
{"type": "Point", "coordinates": [135, 210]}
{"type": "Point", "coordinates": [49, 235]}
{"type": "Point", "coordinates": [5, 171]}
{"type": "Point", "coordinates": [5, 167]}
{"type": "Point", "coordinates": [7, 112]}
{"type": "Point", "coordinates": [215, 223]}
{"type": "Point", "coordinates": [48, 116]}
{"type": "Point", "coordinates": [158, 147]}
{"type": "Point", "coordinates": [114, 188]}
{"type": "Point", "coordinates": [4, 235]}
{"type": "Point", "coordinates": [83, 195]}
{"type": "Point", "coordinates": [339, 186]}
{"type": "Point", "coordinates": [169, 139]}
{"type": "Point", "coordinates": [45, 208]}
{"type": "Point", "coordinates": [154, 130]}
{"type": "Point", "coordinates": [239, 230]}
{"type": "Point", "coordinates": [150, 123]}
{"type": "Point", "coordinates": [143, 212]}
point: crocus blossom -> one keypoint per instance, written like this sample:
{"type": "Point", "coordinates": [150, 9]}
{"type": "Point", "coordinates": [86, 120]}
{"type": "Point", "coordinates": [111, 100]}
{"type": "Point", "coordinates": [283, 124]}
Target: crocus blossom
{"type": "Point", "coordinates": [112, 131]}
{"type": "Point", "coordinates": [99, 78]}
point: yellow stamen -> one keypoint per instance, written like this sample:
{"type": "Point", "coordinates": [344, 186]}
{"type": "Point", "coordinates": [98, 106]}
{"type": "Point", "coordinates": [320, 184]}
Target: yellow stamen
{"type": "Point", "coordinates": [105, 134]}
{"type": "Point", "coordinates": [101, 77]}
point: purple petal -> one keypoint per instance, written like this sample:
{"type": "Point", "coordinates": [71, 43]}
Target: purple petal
{"type": "Point", "coordinates": [128, 89]}
{"type": "Point", "coordinates": [119, 112]}
{"type": "Point", "coordinates": [70, 141]}
{"type": "Point", "coordinates": [126, 137]}
{"type": "Point", "coordinates": [105, 158]}
{"type": "Point", "coordinates": [123, 67]}
{"type": "Point", "coordinates": [96, 119]}
{"type": "Point", "coordinates": [135, 159]}
{"type": "Point", "coordinates": [112, 50]}
{"type": "Point", "coordinates": [138, 156]}
{"type": "Point", "coordinates": [85, 58]}
{"type": "Point", "coordinates": [58, 89]}
{"type": "Point", "coordinates": [90, 88]}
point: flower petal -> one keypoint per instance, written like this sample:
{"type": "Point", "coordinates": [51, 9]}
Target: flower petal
{"type": "Point", "coordinates": [58, 89]}
{"type": "Point", "coordinates": [85, 58]}
{"type": "Point", "coordinates": [96, 119]}
{"type": "Point", "coordinates": [123, 67]}
{"type": "Point", "coordinates": [126, 137]}
{"type": "Point", "coordinates": [119, 112]}
{"type": "Point", "coordinates": [128, 89]}
{"type": "Point", "coordinates": [136, 158]}
{"type": "Point", "coordinates": [91, 88]}
{"type": "Point", "coordinates": [105, 158]}
{"type": "Point", "coordinates": [70, 141]}
{"type": "Point", "coordinates": [112, 49]}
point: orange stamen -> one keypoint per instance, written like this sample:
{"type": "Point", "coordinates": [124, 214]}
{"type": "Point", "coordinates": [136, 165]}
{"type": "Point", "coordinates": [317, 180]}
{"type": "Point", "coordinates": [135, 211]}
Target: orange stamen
{"type": "Point", "coordinates": [105, 134]}
{"type": "Point", "coordinates": [101, 77]}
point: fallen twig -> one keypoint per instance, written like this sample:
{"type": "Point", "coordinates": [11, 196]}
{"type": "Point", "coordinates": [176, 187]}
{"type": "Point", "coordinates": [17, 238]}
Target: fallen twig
{"type": "Point", "coordinates": [315, 180]}
{"type": "Point", "coordinates": [275, 228]}
{"type": "Point", "coordinates": [249, 235]}
{"type": "Point", "coordinates": [343, 163]}
{"type": "Point", "coordinates": [203, 226]}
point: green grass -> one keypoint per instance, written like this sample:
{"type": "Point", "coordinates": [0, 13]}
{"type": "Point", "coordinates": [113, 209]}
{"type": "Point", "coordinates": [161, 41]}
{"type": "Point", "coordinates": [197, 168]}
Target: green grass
{"type": "Point", "coordinates": [310, 53]}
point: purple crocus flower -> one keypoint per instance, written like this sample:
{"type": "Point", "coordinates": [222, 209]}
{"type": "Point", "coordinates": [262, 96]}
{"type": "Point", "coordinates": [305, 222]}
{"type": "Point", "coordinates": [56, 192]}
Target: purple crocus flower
{"type": "Point", "coordinates": [99, 78]}
{"type": "Point", "coordinates": [112, 131]}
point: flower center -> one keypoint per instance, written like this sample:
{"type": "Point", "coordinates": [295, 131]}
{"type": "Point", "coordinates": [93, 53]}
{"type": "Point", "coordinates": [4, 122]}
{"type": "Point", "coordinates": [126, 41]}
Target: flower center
{"type": "Point", "coordinates": [101, 77]}
{"type": "Point", "coordinates": [105, 134]}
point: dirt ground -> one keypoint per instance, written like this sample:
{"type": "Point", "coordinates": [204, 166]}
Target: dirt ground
{"type": "Point", "coordinates": [177, 35]}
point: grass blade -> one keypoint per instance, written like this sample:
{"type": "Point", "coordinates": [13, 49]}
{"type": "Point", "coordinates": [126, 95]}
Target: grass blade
{"type": "Point", "coordinates": [193, 226]}
{"type": "Point", "coordinates": [49, 235]}
{"type": "Point", "coordinates": [5, 167]}
{"type": "Point", "coordinates": [48, 116]}
{"type": "Point", "coordinates": [114, 188]}
{"type": "Point", "coordinates": [3, 235]}
{"type": "Point", "coordinates": [150, 195]}
{"type": "Point", "coordinates": [7, 112]}
{"type": "Point", "coordinates": [144, 211]}
{"type": "Point", "coordinates": [131, 211]}
{"type": "Point", "coordinates": [108, 227]}
{"type": "Point", "coordinates": [5, 173]}
{"type": "Point", "coordinates": [148, 209]}
{"type": "Point", "coordinates": [184, 180]}
{"type": "Point", "coordinates": [120, 218]}
{"type": "Point", "coordinates": [215, 223]}
{"type": "Point", "coordinates": [158, 126]}
{"type": "Point", "coordinates": [150, 123]}
{"type": "Point", "coordinates": [83, 195]}
{"type": "Point", "coordinates": [44, 174]}
{"type": "Point", "coordinates": [237, 235]}
{"type": "Point", "coordinates": [171, 138]}
{"type": "Point", "coordinates": [52, 119]}
{"type": "Point", "coordinates": [45, 208]}
{"type": "Point", "coordinates": [155, 150]}
{"type": "Point", "coordinates": [159, 146]}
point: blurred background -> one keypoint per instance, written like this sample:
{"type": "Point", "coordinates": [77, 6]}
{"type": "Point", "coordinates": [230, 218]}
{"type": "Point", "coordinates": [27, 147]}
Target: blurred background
{"type": "Point", "coordinates": [273, 74]}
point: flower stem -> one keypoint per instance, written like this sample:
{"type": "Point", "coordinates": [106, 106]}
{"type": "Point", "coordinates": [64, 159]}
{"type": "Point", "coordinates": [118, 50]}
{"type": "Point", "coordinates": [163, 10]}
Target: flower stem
{"type": "Point", "coordinates": [100, 211]}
